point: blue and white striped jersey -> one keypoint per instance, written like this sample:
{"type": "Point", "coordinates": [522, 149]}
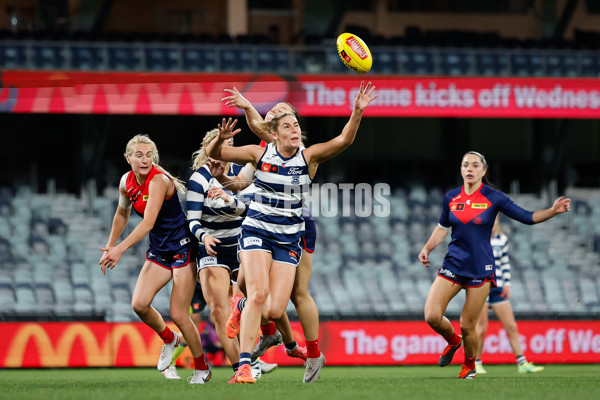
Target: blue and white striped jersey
{"type": "Point", "coordinates": [500, 248]}
{"type": "Point", "coordinates": [213, 216]}
{"type": "Point", "coordinates": [276, 210]}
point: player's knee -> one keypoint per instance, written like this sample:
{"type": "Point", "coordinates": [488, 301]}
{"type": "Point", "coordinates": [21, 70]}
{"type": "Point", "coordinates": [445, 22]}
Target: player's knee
{"type": "Point", "coordinates": [433, 318]}
{"type": "Point", "coordinates": [511, 328]}
{"type": "Point", "coordinates": [272, 312]}
{"type": "Point", "coordinates": [299, 297]}
{"type": "Point", "coordinates": [140, 308]}
{"type": "Point", "coordinates": [219, 314]}
{"type": "Point", "coordinates": [258, 298]}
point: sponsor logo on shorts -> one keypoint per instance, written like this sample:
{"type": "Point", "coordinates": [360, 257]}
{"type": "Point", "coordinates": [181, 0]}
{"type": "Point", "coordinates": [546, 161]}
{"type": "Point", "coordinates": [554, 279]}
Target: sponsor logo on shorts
{"type": "Point", "coordinates": [293, 254]}
{"type": "Point", "coordinates": [204, 261]}
{"type": "Point", "coordinates": [448, 273]}
{"type": "Point", "coordinates": [252, 241]}
{"type": "Point", "coordinates": [476, 281]}
{"type": "Point", "coordinates": [482, 206]}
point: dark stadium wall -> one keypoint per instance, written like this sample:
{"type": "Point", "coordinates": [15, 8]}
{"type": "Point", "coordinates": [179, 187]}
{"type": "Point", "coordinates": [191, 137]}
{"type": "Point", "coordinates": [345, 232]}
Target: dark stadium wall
{"type": "Point", "coordinates": [74, 148]}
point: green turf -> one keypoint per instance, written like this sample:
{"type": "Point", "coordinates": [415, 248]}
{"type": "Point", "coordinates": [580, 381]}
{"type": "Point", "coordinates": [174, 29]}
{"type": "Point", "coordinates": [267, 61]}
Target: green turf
{"type": "Point", "coordinates": [573, 382]}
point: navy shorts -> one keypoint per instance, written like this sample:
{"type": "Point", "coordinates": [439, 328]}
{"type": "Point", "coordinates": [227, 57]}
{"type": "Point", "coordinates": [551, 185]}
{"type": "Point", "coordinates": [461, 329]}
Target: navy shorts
{"type": "Point", "coordinates": [287, 253]}
{"type": "Point", "coordinates": [198, 301]}
{"type": "Point", "coordinates": [226, 257]}
{"type": "Point", "coordinates": [172, 259]}
{"type": "Point", "coordinates": [495, 296]}
{"type": "Point", "coordinates": [466, 281]}
{"type": "Point", "coordinates": [309, 239]}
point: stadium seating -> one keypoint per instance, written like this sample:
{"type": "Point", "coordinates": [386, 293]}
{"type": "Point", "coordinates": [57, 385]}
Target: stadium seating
{"type": "Point", "coordinates": [186, 53]}
{"type": "Point", "coordinates": [363, 267]}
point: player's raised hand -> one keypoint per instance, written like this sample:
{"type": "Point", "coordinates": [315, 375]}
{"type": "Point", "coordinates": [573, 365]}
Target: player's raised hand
{"type": "Point", "coordinates": [364, 96]}
{"type": "Point", "coordinates": [235, 99]}
{"type": "Point", "coordinates": [226, 129]}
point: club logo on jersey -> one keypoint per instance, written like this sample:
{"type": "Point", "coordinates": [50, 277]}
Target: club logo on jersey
{"type": "Point", "coordinates": [252, 241]}
{"type": "Point", "coordinates": [477, 221]}
{"type": "Point", "coordinates": [295, 180]}
{"type": "Point", "coordinates": [457, 206]}
{"type": "Point", "coordinates": [482, 206]}
{"type": "Point", "coordinates": [145, 197]}
{"type": "Point", "coordinates": [133, 196]}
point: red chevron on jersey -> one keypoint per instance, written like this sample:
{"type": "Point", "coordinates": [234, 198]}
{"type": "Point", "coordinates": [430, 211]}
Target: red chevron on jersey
{"type": "Point", "coordinates": [467, 208]}
{"type": "Point", "coordinates": [138, 194]}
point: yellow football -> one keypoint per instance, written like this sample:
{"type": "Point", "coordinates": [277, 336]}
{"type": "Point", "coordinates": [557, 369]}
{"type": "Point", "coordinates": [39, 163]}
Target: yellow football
{"type": "Point", "coordinates": [354, 53]}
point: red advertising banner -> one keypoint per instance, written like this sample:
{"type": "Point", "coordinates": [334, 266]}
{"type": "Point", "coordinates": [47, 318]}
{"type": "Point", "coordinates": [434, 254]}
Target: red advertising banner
{"type": "Point", "coordinates": [101, 344]}
{"type": "Point", "coordinates": [313, 95]}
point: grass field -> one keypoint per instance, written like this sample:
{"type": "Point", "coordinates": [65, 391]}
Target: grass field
{"type": "Point", "coordinates": [574, 382]}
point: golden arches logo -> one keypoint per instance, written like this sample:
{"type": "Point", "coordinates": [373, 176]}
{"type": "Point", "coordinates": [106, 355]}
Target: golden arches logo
{"type": "Point", "coordinates": [101, 355]}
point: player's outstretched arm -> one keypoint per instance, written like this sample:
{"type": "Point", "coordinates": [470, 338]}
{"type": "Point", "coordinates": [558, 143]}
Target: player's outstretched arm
{"type": "Point", "coordinates": [561, 205]}
{"type": "Point", "coordinates": [322, 152]}
{"type": "Point", "coordinates": [236, 99]}
{"type": "Point", "coordinates": [239, 155]}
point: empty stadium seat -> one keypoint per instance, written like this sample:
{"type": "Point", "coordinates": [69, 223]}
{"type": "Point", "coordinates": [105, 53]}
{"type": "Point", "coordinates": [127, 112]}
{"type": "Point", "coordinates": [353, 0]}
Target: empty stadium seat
{"type": "Point", "coordinates": [273, 60]}
{"type": "Point", "coordinates": [162, 58]}
{"type": "Point", "coordinates": [384, 61]}
{"type": "Point", "coordinates": [87, 58]}
{"type": "Point", "coordinates": [48, 56]}
{"type": "Point", "coordinates": [236, 59]}
{"type": "Point", "coordinates": [417, 62]}
{"type": "Point", "coordinates": [122, 58]}
{"type": "Point", "coordinates": [13, 55]}
{"type": "Point", "coordinates": [491, 63]}
{"type": "Point", "coordinates": [196, 59]}
{"type": "Point", "coordinates": [455, 62]}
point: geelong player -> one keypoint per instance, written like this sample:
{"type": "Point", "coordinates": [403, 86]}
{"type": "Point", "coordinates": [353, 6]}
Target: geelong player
{"type": "Point", "coordinates": [152, 192]}
{"type": "Point", "coordinates": [498, 300]}
{"type": "Point", "coordinates": [307, 310]}
{"type": "Point", "coordinates": [469, 211]}
{"type": "Point", "coordinates": [269, 247]}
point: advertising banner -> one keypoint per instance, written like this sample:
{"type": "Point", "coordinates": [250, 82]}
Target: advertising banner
{"type": "Point", "coordinates": [313, 95]}
{"type": "Point", "coordinates": [100, 344]}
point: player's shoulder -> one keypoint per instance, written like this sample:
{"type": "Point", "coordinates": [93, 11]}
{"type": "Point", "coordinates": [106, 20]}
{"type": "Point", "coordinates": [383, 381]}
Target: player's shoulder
{"type": "Point", "coordinates": [201, 175]}
{"type": "Point", "coordinates": [453, 194]}
{"type": "Point", "coordinates": [491, 192]}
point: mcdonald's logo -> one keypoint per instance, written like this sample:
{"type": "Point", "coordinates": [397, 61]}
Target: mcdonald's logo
{"type": "Point", "coordinates": [100, 343]}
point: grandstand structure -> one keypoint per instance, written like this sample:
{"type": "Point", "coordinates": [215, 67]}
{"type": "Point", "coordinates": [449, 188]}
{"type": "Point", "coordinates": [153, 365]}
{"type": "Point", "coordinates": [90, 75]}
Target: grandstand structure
{"type": "Point", "coordinates": [364, 268]}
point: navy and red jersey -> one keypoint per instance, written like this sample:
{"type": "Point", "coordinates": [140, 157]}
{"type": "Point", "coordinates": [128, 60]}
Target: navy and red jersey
{"type": "Point", "coordinates": [170, 232]}
{"type": "Point", "coordinates": [471, 218]}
